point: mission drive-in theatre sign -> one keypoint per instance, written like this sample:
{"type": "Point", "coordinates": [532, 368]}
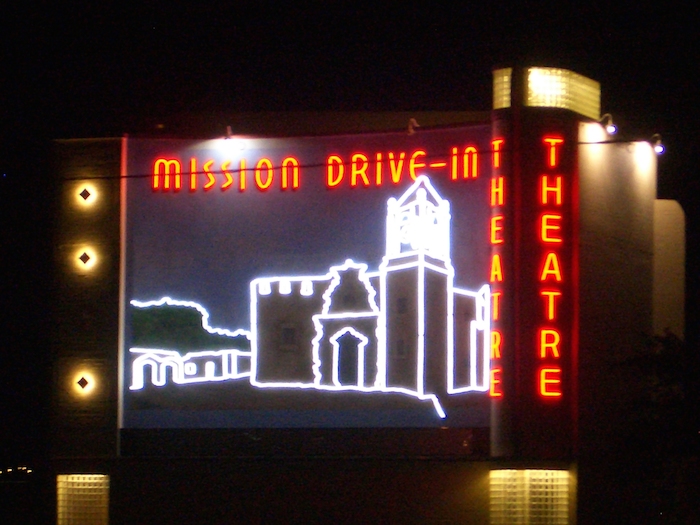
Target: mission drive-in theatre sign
{"type": "Point", "coordinates": [310, 282]}
{"type": "Point", "coordinates": [447, 292]}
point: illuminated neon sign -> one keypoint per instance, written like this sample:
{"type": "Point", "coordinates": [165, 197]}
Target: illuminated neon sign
{"type": "Point", "coordinates": [551, 275]}
{"type": "Point", "coordinates": [326, 281]}
{"type": "Point", "coordinates": [356, 170]}
{"type": "Point", "coordinates": [549, 272]}
{"type": "Point", "coordinates": [350, 325]}
{"type": "Point", "coordinates": [193, 367]}
{"type": "Point", "coordinates": [497, 238]}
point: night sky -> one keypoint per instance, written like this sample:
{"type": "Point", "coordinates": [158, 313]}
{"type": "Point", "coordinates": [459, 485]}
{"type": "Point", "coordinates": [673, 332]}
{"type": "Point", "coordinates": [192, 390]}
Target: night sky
{"type": "Point", "coordinates": [109, 69]}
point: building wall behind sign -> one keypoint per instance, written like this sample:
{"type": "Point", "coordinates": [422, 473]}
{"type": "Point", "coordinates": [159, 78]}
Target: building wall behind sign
{"type": "Point", "coordinates": [616, 197]}
{"type": "Point", "coordinates": [669, 268]}
{"type": "Point", "coordinates": [86, 313]}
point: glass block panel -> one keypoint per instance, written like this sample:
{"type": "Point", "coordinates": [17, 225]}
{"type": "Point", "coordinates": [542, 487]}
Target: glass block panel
{"type": "Point", "coordinates": [501, 88]}
{"type": "Point", "coordinates": [529, 497]}
{"type": "Point", "coordinates": [83, 499]}
{"type": "Point", "coordinates": [560, 88]}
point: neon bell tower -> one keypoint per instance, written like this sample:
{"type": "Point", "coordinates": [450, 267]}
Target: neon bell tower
{"type": "Point", "coordinates": [417, 298]}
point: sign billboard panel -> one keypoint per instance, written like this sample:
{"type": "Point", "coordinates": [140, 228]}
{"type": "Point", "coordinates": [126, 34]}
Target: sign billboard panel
{"type": "Point", "coordinates": [336, 281]}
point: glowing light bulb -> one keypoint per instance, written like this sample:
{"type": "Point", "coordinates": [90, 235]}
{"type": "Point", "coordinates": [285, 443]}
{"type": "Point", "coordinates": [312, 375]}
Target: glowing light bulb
{"type": "Point", "coordinates": [84, 383]}
{"type": "Point", "coordinates": [86, 195]}
{"type": "Point", "coordinates": [85, 258]}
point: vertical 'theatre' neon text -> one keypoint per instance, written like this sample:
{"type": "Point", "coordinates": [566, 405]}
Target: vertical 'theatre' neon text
{"type": "Point", "coordinates": [497, 236]}
{"type": "Point", "coordinates": [550, 340]}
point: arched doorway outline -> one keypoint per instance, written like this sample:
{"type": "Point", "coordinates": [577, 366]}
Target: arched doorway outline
{"type": "Point", "coordinates": [362, 344]}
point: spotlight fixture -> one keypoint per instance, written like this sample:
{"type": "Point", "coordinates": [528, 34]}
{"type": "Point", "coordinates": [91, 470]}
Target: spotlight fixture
{"type": "Point", "coordinates": [656, 142]}
{"type": "Point", "coordinates": [607, 121]}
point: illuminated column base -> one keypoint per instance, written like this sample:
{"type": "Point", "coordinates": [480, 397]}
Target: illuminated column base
{"type": "Point", "coordinates": [82, 498]}
{"type": "Point", "coordinates": [529, 497]}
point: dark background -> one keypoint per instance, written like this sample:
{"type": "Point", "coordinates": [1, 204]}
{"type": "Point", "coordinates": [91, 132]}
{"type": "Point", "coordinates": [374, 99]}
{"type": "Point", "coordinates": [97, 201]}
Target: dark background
{"type": "Point", "coordinates": [104, 69]}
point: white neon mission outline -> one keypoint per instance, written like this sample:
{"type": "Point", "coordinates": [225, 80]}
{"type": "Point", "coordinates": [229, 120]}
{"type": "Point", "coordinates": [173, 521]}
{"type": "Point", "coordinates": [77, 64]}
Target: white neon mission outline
{"type": "Point", "coordinates": [421, 228]}
{"type": "Point", "coordinates": [184, 367]}
{"type": "Point", "coordinates": [360, 354]}
{"type": "Point", "coordinates": [264, 287]}
{"type": "Point", "coordinates": [191, 304]}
